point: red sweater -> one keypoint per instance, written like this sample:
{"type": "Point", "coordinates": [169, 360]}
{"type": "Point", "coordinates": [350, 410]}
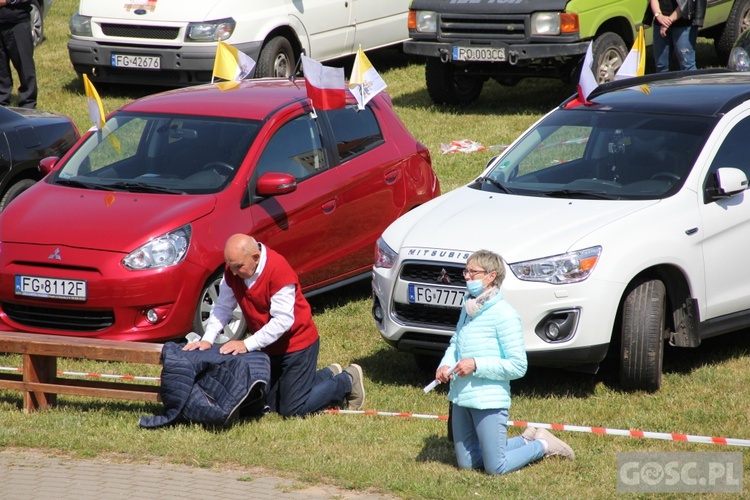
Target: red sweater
{"type": "Point", "coordinates": [255, 303]}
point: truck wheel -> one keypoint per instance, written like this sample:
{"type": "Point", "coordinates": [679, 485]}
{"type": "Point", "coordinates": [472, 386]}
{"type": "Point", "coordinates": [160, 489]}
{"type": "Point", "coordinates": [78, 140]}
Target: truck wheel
{"type": "Point", "coordinates": [737, 22]}
{"type": "Point", "coordinates": [643, 322]}
{"type": "Point", "coordinates": [609, 52]}
{"type": "Point", "coordinates": [14, 190]}
{"type": "Point", "coordinates": [236, 327]}
{"type": "Point", "coordinates": [447, 86]}
{"type": "Point", "coordinates": [37, 23]}
{"type": "Point", "coordinates": [276, 59]}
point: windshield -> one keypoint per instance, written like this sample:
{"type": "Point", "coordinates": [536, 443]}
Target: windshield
{"type": "Point", "coordinates": [602, 154]}
{"type": "Point", "coordinates": [160, 154]}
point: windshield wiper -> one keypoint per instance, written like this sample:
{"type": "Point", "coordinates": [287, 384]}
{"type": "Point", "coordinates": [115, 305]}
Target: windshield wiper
{"type": "Point", "coordinates": [142, 187]}
{"type": "Point", "coordinates": [75, 183]}
{"type": "Point", "coordinates": [495, 183]}
{"type": "Point", "coordinates": [575, 193]}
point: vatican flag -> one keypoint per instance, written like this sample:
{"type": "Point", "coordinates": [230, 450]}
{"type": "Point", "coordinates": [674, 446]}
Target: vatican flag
{"type": "Point", "coordinates": [231, 65]}
{"type": "Point", "coordinates": [96, 110]}
{"type": "Point", "coordinates": [365, 82]}
{"type": "Point", "coordinates": [635, 62]}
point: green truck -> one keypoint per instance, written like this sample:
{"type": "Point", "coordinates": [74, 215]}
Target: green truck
{"type": "Point", "coordinates": [467, 42]}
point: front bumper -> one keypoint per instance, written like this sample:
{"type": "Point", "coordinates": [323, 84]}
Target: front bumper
{"type": "Point", "coordinates": [520, 52]}
{"type": "Point", "coordinates": [189, 64]}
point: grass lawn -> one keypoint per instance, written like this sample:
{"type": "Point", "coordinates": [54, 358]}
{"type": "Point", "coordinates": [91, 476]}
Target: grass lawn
{"type": "Point", "coordinates": [703, 389]}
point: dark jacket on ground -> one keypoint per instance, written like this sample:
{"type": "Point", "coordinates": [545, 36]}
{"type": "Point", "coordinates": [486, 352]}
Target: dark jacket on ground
{"type": "Point", "coordinates": [208, 387]}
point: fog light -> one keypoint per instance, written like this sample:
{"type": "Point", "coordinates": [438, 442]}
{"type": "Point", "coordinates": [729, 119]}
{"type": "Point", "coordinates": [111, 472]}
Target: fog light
{"type": "Point", "coordinates": [152, 316]}
{"type": "Point", "coordinates": [558, 326]}
{"type": "Point", "coordinates": [552, 329]}
{"type": "Point", "coordinates": [377, 310]}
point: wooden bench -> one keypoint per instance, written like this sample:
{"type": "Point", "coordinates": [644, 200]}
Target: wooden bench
{"type": "Point", "coordinates": [39, 381]}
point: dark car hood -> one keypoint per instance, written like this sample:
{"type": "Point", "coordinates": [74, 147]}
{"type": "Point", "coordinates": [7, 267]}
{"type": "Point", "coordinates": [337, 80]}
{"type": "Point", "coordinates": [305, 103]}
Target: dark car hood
{"type": "Point", "coordinates": [114, 221]}
{"type": "Point", "coordinates": [490, 6]}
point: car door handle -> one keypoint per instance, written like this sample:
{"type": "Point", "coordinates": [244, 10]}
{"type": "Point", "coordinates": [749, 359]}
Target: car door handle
{"type": "Point", "coordinates": [328, 206]}
{"type": "Point", "coordinates": [390, 177]}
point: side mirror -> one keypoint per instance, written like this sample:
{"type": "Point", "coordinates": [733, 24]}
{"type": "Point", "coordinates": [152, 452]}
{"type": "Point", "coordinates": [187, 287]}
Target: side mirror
{"type": "Point", "coordinates": [275, 183]}
{"type": "Point", "coordinates": [47, 165]}
{"type": "Point", "coordinates": [729, 182]}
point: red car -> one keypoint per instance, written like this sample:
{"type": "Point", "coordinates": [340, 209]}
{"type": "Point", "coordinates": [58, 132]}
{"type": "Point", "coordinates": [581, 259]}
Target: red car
{"type": "Point", "coordinates": [124, 238]}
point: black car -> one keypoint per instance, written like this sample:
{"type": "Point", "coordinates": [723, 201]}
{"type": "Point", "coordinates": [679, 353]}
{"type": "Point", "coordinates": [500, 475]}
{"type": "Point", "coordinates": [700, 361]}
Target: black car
{"type": "Point", "coordinates": [27, 136]}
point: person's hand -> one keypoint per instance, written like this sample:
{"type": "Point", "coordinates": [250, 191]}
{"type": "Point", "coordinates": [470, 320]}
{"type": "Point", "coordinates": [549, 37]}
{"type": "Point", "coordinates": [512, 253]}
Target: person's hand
{"type": "Point", "coordinates": [233, 347]}
{"type": "Point", "coordinates": [201, 345]}
{"type": "Point", "coordinates": [443, 375]}
{"type": "Point", "coordinates": [663, 31]}
{"type": "Point", "coordinates": [665, 21]}
{"type": "Point", "coordinates": [465, 367]}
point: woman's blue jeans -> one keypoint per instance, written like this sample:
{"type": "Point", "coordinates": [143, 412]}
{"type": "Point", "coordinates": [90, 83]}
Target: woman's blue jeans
{"type": "Point", "coordinates": [681, 40]}
{"type": "Point", "coordinates": [480, 440]}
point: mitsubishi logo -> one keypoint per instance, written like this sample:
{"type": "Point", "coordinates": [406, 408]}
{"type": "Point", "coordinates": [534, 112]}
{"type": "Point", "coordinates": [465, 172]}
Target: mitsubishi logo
{"type": "Point", "coordinates": [55, 255]}
{"type": "Point", "coordinates": [443, 278]}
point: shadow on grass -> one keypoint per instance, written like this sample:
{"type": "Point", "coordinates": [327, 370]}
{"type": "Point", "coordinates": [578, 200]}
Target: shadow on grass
{"type": "Point", "coordinates": [339, 297]}
{"type": "Point", "coordinates": [437, 448]}
{"type": "Point", "coordinates": [130, 92]}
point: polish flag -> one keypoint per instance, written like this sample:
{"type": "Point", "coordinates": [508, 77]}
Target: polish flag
{"type": "Point", "coordinates": [587, 83]}
{"type": "Point", "coordinates": [326, 87]}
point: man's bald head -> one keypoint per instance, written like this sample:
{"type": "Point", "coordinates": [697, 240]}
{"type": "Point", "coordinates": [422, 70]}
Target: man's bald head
{"type": "Point", "coordinates": [242, 255]}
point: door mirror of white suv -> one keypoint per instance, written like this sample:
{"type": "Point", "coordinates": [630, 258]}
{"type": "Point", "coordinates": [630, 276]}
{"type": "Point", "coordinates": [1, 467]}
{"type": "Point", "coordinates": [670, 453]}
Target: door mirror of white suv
{"type": "Point", "coordinates": [730, 181]}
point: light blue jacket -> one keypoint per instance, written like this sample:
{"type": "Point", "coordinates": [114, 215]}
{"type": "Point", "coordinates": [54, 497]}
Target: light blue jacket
{"type": "Point", "coordinates": [494, 339]}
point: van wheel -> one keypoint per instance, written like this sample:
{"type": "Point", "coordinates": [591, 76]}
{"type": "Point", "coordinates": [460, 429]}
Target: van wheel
{"type": "Point", "coordinates": [276, 59]}
{"type": "Point", "coordinates": [14, 190]}
{"type": "Point", "coordinates": [609, 52]}
{"type": "Point", "coordinates": [643, 323]}
{"type": "Point", "coordinates": [37, 23]}
{"type": "Point", "coordinates": [236, 327]}
{"type": "Point", "coordinates": [737, 22]}
{"type": "Point", "coordinates": [448, 86]}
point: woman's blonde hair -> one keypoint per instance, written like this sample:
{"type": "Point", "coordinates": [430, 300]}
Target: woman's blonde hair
{"type": "Point", "coordinates": [489, 261]}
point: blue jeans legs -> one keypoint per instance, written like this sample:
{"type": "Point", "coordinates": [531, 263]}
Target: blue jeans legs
{"type": "Point", "coordinates": [480, 440]}
{"type": "Point", "coordinates": [681, 40]}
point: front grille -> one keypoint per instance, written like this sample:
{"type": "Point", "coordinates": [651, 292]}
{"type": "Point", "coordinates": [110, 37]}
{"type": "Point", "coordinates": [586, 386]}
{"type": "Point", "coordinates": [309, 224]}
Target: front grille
{"type": "Point", "coordinates": [450, 274]}
{"type": "Point", "coordinates": [59, 319]}
{"type": "Point", "coordinates": [135, 31]}
{"type": "Point", "coordinates": [444, 318]}
{"type": "Point", "coordinates": [485, 27]}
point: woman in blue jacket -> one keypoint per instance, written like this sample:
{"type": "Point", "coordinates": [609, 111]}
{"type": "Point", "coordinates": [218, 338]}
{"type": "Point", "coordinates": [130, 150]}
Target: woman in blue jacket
{"type": "Point", "coordinates": [484, 355]}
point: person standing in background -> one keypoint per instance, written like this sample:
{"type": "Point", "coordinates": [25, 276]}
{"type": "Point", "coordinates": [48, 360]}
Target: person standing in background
{"type": "Point", "coordinates": [676, 24]}
{"type": "Point", "coordinates": [17, 47]}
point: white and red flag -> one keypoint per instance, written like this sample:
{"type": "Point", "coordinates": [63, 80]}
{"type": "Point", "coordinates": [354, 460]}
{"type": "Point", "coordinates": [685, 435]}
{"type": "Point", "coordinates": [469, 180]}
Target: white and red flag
{"type": "Point", "coordinates": [587, 83]}
{"type": "Point", "coordinates": [326, 87]}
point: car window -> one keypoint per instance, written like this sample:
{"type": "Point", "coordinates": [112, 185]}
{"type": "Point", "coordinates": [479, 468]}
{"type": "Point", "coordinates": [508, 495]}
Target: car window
{"type": "Point", "coordinates": [354, 131]}
{"type": "Point", "coordinates": [295, 149]}
{"type": "Point", "coordinates": [733, 151]}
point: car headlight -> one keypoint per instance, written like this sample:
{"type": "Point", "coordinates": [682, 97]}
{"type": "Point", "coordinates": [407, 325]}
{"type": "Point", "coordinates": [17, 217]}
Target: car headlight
{"type": "Point", "coordinates": [570, 267]}
{"type": "Point", "coordinates": [545, 23]}
{"type": "Point", "coordinates": [166, 250]}
{"type": "Point", "coordinates": [210, 31]}
{"type": "Point", "coordinates": [739, 60]}
{"type": "Point", "coordinates": [80, 25]}
{"type": "Point", "coordinates": [385, 256]}
{"type": "Point", "coordinates": [425, 21]}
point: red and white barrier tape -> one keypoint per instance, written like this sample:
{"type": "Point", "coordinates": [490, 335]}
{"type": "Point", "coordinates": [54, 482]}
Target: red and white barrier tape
{"type": "Point", "coordinates": [575, 428]}
{"type": "Point", "coordinates": [88, 374]}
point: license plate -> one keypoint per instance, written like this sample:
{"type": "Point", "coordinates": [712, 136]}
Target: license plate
{"type": "Point", "coordinates": [50, 288]}
{"type": "Point", "coordinates": [436, 296]}
{"type": "Point", "coordinates": [139, 62]}
{"type": "Point", "coordinates": [493, 54]}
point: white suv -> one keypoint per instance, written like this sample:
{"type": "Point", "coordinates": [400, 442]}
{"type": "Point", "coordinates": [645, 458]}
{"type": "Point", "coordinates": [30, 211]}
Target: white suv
{"type": "Point", "coordinates": [173, 42]}
{"type": "Point", "coordinates": [623, 224]}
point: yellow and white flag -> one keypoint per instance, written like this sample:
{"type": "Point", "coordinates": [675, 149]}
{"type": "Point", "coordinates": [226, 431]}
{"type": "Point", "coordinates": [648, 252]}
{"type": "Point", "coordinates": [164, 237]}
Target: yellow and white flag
{"type": "Point", "coordinates": [635, 62]}
{"type": "Point", "coordinates": [231, 65]}
{"type": "Point", "coordinates": [365, 82]}
{"type": "Point", "coordinates": [96, 110]}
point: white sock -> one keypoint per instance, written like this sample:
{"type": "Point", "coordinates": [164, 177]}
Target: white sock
{"type": "Point", "coordinates": [544, 444]}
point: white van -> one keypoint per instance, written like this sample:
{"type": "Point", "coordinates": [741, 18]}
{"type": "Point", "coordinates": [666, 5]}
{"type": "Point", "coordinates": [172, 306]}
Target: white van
{"type": "Point", "coordinates": [173, 42]}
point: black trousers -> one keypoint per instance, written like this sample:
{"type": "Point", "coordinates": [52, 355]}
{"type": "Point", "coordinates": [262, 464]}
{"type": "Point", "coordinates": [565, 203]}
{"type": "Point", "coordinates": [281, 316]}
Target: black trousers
{"type": "Point", "coordinates": [17, 47]}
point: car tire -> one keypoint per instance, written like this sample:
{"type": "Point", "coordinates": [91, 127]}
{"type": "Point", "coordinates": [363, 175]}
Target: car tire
{"type": "Point", "coordinates": [609, 52]}
{"type": "Point", "coordinates": [37, 23]}
{"type": "Point", "coordinates": [643, 324]}
{"type": "Point", "coordinates": [14, 190]}
{"type": "Point", "coordinates": [276, 59]}
{"type": "Point", "coordinates": [737, 22]}
{"type": "Point", "coordinates": [447, 86]}
{"type": "Point", "coordinates": [235, 329]}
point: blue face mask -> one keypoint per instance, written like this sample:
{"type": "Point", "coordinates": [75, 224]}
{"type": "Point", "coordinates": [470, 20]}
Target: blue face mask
{"type": "Point", "coordinates": [474, 287]}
